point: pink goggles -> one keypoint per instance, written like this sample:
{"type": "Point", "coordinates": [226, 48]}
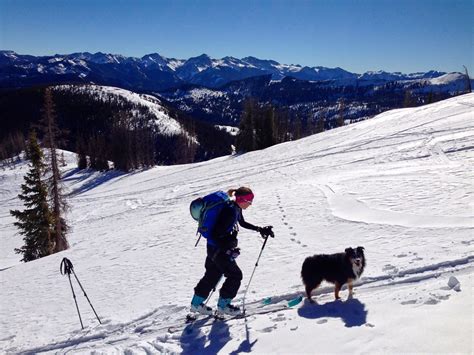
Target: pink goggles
{"type": "Point", "coordinates": [244, 198]}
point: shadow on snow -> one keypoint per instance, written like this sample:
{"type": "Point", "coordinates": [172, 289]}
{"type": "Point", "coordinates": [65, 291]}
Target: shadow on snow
{"type": "Point", "coordinates": [95, 179]}
{"type": "Point", "coordinates": [193, 341]}
{"type": "Point", "coordinates": [352, 312]}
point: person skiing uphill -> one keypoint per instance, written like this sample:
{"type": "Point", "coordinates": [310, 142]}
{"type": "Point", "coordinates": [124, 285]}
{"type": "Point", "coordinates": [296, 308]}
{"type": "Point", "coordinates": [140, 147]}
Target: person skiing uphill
{"type": "Point", "coordinates": [222, 250]}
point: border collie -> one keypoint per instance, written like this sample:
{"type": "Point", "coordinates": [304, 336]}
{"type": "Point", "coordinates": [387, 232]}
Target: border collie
{"type": "Point", "coordinates": [337, 268]}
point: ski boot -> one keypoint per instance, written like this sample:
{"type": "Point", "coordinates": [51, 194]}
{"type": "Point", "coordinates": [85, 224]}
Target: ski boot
{"type": "Point", "coordinates": [198, 306]}
{"type": "Point", "coordinates": [225, 308]}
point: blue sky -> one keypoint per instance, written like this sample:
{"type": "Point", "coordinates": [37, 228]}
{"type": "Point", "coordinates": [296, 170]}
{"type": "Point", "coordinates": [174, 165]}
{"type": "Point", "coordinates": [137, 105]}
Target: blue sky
{"type": "Point", "coordinates": [357, 35]}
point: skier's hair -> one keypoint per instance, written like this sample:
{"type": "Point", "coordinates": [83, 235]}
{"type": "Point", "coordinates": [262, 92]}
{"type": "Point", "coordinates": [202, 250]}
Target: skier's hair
{"type": "Point", "coordinates": [241, 191]}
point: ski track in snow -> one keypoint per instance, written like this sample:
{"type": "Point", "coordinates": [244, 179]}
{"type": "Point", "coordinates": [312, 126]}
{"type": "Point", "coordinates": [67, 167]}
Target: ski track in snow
{"type": "Point", "coordinates": [168, 323]}
{"type": "Point", "coordinates": [400, 185]}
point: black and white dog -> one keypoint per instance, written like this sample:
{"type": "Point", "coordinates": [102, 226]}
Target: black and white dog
{"type": "Point", "coordinates": [338, 269]}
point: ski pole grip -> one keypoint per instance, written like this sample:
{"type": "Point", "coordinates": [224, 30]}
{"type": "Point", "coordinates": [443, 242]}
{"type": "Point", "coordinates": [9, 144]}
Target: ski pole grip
{"type": "Point", "coordinates": [66, 267]}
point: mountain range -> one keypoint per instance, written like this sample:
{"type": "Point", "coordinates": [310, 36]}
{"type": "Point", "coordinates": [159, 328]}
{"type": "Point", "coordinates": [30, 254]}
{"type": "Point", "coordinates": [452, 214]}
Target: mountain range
{"type": "Point", "coordinates": [155, 72]}
{"type": "Point", "coordinates": [214, 90]}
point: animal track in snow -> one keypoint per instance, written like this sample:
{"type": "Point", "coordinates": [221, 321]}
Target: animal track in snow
{"type": "Point", "coordinates": [283, 219]}
{"type": "Point", "coordinates": [390, 269]}
{"type": "Point", "coordinates": [279, 318]}
{"type": "Point", "coordinates": [268, 329]}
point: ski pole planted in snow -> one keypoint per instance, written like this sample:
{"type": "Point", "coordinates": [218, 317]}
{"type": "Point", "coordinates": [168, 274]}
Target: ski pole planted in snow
{"type": "Point", "coordinates": [253, 272]}
{"type": "Point", "coordinates": [66, 268]}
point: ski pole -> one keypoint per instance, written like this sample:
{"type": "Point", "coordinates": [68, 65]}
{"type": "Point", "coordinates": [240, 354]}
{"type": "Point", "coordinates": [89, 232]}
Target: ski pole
{"type": "Point", "coordinates": [253, 272]}
{"type": "Point", "coordinates": [68, 267]}
{"type": "Point", "coordinates": [213, 290]}
{"type": "Point", "coordinates": [85, 294]}
{"type": "Point", "coordinates": [65, 268]}
{"type": "Point", "coordinates": [197, 242]}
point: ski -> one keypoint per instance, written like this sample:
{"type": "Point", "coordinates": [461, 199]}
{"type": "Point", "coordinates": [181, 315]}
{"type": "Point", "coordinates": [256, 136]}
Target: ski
{"type": "Point", "coordinates": [225, 317]}
{"type": "Point", "coordinates": [294, 301]}
{"type": "Point", "coordinates": [290, 303]}
{"type": "Point", "coordinates": [193, 317]}
{"type": "Point", "coordinates": [197, 320]}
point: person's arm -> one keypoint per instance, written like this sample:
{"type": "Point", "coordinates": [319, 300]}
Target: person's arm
{"type": "Point", "coordinates": [245, 224]}
{"type": "Point", "coordinates": [264, 231]}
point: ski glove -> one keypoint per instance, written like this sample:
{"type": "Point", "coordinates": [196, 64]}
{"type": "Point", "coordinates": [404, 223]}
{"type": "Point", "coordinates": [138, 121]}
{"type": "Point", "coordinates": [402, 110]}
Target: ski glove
{"type": "Point", "coordinates": [233, 253]}
{"type": "Point", "coordinates": [266, 232]}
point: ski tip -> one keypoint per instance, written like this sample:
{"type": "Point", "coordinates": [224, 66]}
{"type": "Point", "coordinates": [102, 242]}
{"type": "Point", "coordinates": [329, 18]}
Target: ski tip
{"type": "Point", "coordinates": [295, 301]}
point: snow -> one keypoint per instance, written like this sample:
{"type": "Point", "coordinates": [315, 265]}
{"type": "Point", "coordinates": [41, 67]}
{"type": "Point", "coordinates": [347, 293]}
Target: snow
{"type": "Point", "coordinates": [203, 94]}
{"type": "Point", "coordinates": [454, 283]}
{"type": "Point", "coordinates": [446, 79]}
{"type": "Point", "coordinates": [401, 185]}
{"type": "Point", "coordinates": [55, 60]}
{"type": "Point", "coordinates": [174, 64]}
{"type": "Point", "coordinates": [163, 123]}
{"type": "Point", "coordinates": [229, 129]}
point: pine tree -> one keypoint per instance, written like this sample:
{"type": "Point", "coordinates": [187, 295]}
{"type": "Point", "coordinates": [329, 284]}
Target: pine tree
{"type": "Point", "coordinates": [468, 81]}
{"type": "Point", "coordinates": [320, 123]}
{"type": "Point", "coordinates": [58, 202]}
{"type": "Point", "coordinates": [246, 140]}
{"type": "Point", "coordinates": [340, 118]}
{"type": "Point", "coordinates": [296, 128]}
{"type": "Point", "coordinates": [36, 221]}
{"type": "Point", "coordinates": [408, 100]}
{"type": "Point", "coordinates": [81, 153]}
{"type": "Point", "coordinates": [266, 134]}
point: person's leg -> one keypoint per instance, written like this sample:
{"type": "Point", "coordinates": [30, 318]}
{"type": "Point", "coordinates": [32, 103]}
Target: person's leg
{"type": "Point", "coordinates": [232, 274]}
{"type": "Point", "coordinates": [209, 280]}
{"type": "Point", "coordinates": [205, 285]}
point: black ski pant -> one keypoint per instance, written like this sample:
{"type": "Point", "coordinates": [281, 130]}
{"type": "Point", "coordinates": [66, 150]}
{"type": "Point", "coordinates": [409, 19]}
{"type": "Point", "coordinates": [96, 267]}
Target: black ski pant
{"type": "Point", "coordinates": [218, 263]}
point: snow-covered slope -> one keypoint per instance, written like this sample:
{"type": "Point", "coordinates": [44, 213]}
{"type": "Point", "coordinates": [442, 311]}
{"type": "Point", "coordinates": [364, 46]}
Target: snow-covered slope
{"type": "Point", "coordinates": [401, 185]}
{"type": "Point", "coordinates": [162, 122]}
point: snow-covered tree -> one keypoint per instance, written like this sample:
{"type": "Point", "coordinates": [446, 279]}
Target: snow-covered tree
{"type": "Point", "coordinates": [36, 220]}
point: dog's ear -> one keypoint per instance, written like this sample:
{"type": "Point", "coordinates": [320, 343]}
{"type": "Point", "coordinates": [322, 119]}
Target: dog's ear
{"type": "Point", "coordinates": [349, 250]}
{"type": "Point", "coordinates": [360, 250]}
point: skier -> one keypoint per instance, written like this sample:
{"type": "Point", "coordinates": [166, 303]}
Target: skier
{"type": "Point", "coordinates": [222, 251]}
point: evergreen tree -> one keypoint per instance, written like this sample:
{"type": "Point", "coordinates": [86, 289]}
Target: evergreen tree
{"type": "Point", "coordinates": [408, 100]}
{"type": "Point", "coordinates": [246, 140]}
{"type": "Point", "coordinates": [282, 121]}
{"type": "Point", "coordinates": [320, 123]}
{"type": "Point", "coordinates": [468, 81]}
{"type": "Point", "coordinates": [296, 129]}
{"type": "Point", "coordinates": [81, 153]}
{"type": "Point", "coordinates": [430, 98]}
{"type": "Point", "coordinates": [340, 118]}
{"type": "Point", "coordinates": [97, 151]}
{"type": "Point", "coordinates": [36, 221]}
{"type": "Point", "coordinates": [12, 145]}
{"type": "Point", "coordinates": [51, 136]}
{"type": "Point", "coordinates": [266, 134]}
